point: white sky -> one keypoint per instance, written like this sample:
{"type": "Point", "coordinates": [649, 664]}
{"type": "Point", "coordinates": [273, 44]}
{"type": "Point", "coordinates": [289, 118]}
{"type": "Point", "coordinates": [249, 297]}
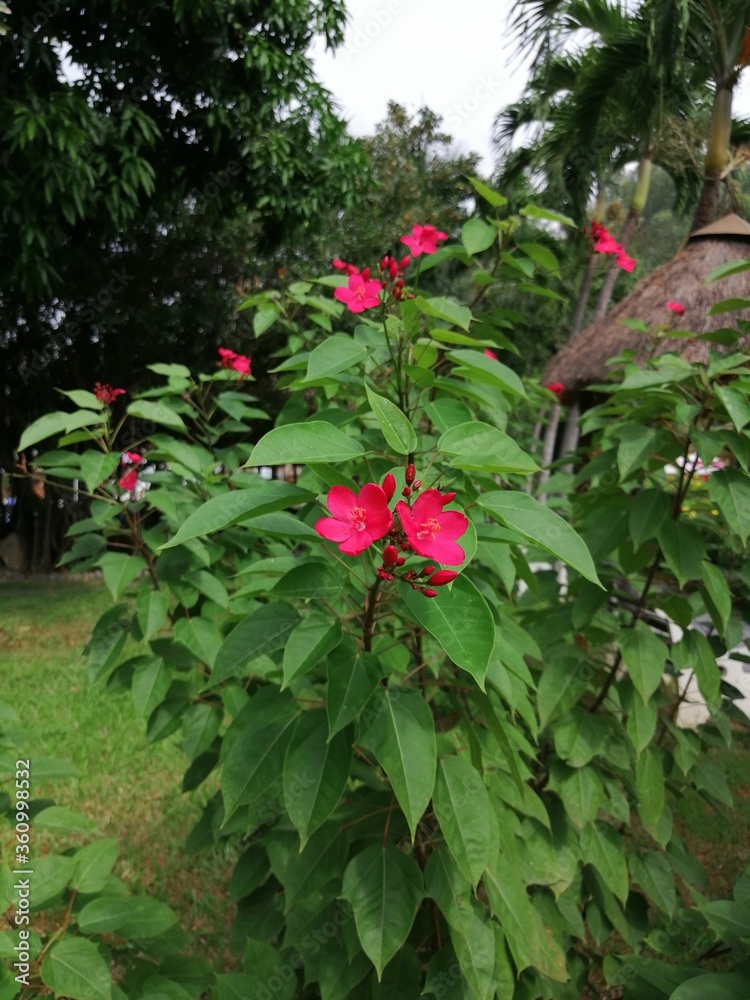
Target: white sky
{"type": "Point", "coordinates": [455, 56]}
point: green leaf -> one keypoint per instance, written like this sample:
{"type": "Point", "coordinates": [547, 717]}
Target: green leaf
{"type": "Point", "coordinates": [475, 951]}
{"type": "Point", "coordinates": [262, 632]}
{"type": "Point", "coordinates": [97, 467]}
{"type": "Point", "coordinates": [482, 448]}
{"type": "Point", "coordinates": [445, 309]}
{"type": "Point", "coordinates": [384, 887]}
{"type": "Point", "coordinates": [719, 596]}
{"type": "Point", "coordinates": [540, 255]}
{"type": "Point", "coordinates": [315, 773]}
{"type": "Point", "coordinates": [396, 427]}
{"type": "Point", "coordinates": [537, 212]}
{"type": "Point", "coordinates": [61, 819]}
{"type": "Point", "coordinates": [264, 319]}
{"type": "Point", "coordinates": [637, 445]}
{"type": "Point", "coordinates": [400, 731]}
{"type": "Point", "coordinates": [260, 496]}
{"type": "Point", "coordinates": [52, 424]}
{"type": "Point", "coordinates": [94, 864]}
{"type": "Point", "coordinates": [461, 620]}
{"type": "Point", "coordinates": [561, 685]}
{"type": "Point", "coordinates": [262, 965]}
{"type": "Point", "coordinates": [151, 681]}
{"type": "Point", "coordinates": [250, 872]}
{"type": "Point", "coordinates": [311, 580]}
{"type": "Point", "coordinates": [648, 511]}
{"type": "Point", "coordinates": [462, 807]}
{"type": "Point", "coordinates": [736, 404]}
{"type": "Point", "coordinates": [649, 783]}
{"type": "Point", "coordinates": [82, 398]}
{"type": "Point", "coordinates": [299, 444]}
{"type": "Point", "coordinates": [578, 737]}
{"type": "Point", "coordinates": [728, 305]}
{"type": "Point", "coordinates": [449, 888]}
{"type": "Point", "coordinates": [653, 874]}
{"type": "Point", "coordinates": [477, 235]}
{"type": "Point", "coordinates": [731, 267]}
{"type": "Point", "coordinates": [171, 370]}
{"type": "Point", "coordinates": [336, 354]}
{"type": "Point", "coordinates": [75, 968]}
{"type": "Point", "coordinates": [641, 723]}
{"type": "Point", "coordinates": [119, 571]}
{"type": "Point", "coordinates": [730, 491]}
{"type": "Point", "coordinates": [352, 677]}
{"type": "Point", "coordinates": [200, 726]}
{"type": "Point", "coordinates": [495, 199]}
{"type": "Point", "coordinates": [152, 607]}
{"type": "Point", "coordinates": [581, 791]}
{"type": "Point", "coordinates": [254, 764]}
{"type": "Point", "coordinates": [129, 916]}
{"type": "Point", "coordinates": [492, 372]}
{"type": "Point", "coordinates": [157, 413]}
{"type": "Point", "coordinates": [644, 656]}
{"type": "Point", "coordinates": [541, 527]}
{"type": "Point", "coordinates": [601, 846]}
{"type": "Point", "coordinates": [713, 985]}
{"type": "Point", "coordinates": [312, 640]}
{"type": "Point", "coordinates": [694, 653]}
{"type": "Point", "coordinates": [684, 549]}
{"type": "Point", "coordinates": [52, 873]}
{"type": "Point", "coordinates": [546, 293]}
{"type": "Point", "coordinates": [106, 642]}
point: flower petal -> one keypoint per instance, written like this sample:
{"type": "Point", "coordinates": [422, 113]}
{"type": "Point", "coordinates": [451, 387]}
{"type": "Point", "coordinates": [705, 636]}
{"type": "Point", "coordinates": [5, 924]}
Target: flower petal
{"type": "Point", "coordinates": [340, 502]}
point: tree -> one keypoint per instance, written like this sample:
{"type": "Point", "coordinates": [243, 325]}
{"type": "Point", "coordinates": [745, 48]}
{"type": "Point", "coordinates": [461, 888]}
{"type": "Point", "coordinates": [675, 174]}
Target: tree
{"type": "Point", "coordinates": [144, 151]}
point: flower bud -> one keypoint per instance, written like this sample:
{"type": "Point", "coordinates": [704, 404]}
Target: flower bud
{"type": "Point", "coordinates": [416, 484]}
{"type": "Point", "coordinates": [429, 593]}
{"type": "Point", "coordinates": [427, 570]}
{"type": "Point", "coordinates": [389, 486]}
{"type": "Point", "coordinates": [442, 577]}
{"type": "Point", "coordinates": [385, 263]}
{"type": "Point", "coordinates": [404, 262]}
{"type": "Point", "coordinates": [390, 555]}
{"type": "Point", "coordinates": [406, 492]}
{"type": "Point", "coordinates": [400, 561]}
{"type": "Point", "coordinates": [393, 269]}
{"type": "Point", "coordinates": [366, 274]}
{"type": "Point", "coordinates": [405, 546]}
{"type": "Point", "coordinates": [411, 474]}
{"type": "Point", "coordinates": [448, 498]}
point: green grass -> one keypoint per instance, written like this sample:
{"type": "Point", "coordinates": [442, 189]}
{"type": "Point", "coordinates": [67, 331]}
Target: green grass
{"type": "Point", "coordinates": [130, 789]}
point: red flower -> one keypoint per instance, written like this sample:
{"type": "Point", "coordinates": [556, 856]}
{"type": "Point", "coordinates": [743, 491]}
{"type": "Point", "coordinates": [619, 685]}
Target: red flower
{"type": "Point", "coordinates": [357, 520]}
{"type": "Point", "coordinates": [360, 294]}
{"type": "Point", "coordinates": [556, 388]}
{"type": "Point", "coordinates": [607, 244]}
{"type": "Point", "coordinates": [129, 480]}
{"type": "Point", "coordinates": [341, 265]}
{"type": "Point", "coordinates": [676, 307]}
{"type": "Point", "coordinates": [423, 239]}
{"type": "Point", "coordinates": [625, 262]}
{"type": "Point", "coordinates": [237, 362]}
{"type": "Point", "coordinates": [133, 457]}
{"type": "Point", "coordinates": [491, 354]}
{"type": "Point", "coordinates": [432, 531]}
{"type": "Point", "coordinates": [106, 394]}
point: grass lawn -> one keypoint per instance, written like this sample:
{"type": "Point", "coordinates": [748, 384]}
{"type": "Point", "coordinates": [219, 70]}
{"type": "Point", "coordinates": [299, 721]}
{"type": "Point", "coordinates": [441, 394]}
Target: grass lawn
{"type": "Point", "coordinates": [129, 789]}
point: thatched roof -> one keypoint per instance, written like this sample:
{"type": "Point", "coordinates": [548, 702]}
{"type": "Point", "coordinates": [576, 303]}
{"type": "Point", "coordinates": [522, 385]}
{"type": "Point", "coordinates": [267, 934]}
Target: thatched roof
{"type": "Point", "coordinates": [682, 279]}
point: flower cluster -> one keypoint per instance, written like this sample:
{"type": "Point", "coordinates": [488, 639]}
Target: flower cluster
{"type": "Point", "coordinates": [425, 528]}
{"type": "Point", "coordinates": [362, 291]}
{"type": "Point", "coordinates": [557, 389]}
{"type": "Point", "coordinates": [130, 478]}
{"type": "Point", "coordinates": [604, 242]}
{"type": "Point", "coordinates": [237, 362]}
{"type": "Point", "coordinates": [106, 394]}
{"type": "Point", "coordinates": [677, 308]}
{"type": "Point", "coordinates": [694, 466]}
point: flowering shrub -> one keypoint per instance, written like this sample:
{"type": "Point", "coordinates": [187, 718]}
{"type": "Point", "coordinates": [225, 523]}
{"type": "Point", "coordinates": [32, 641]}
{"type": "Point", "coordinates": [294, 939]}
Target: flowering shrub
{"type": "Point", "coordinates": [442, 784]}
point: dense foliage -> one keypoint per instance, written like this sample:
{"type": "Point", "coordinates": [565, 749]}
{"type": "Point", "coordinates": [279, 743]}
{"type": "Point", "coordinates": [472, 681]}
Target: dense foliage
{"type": "Point", "coordinates": [443, 782]}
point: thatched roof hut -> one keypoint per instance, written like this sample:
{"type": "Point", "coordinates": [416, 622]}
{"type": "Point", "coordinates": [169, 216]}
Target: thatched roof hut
{"type": "Point", "coordinates": [683, 279]}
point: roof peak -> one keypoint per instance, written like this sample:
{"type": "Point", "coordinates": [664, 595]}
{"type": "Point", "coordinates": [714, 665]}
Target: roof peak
{"type": "Point", "coordinates": [730, 225]}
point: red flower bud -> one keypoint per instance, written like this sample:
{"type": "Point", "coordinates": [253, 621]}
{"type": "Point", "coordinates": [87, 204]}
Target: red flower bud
{"type": "Point", "coordinates": [448, 498]}
{"type": "Point", "coordinates": [383, 283]}
{"type": "Point", "coordinates": [399, 283]}
{"type": "Point", "coordinates": [405, 546]}
{"type": "Point", "coordinates": [404, 262]}
{"type": "Point", "coordinates": [406, 492]}
{"type": "Point", "coordinates": [385, 262]}
{"type": "Point", "coordinates": [416, 484]}
{"type": "Point", "coordinates": [429, 593]}
{"type": "Point", "coordinates": [427, 570]}
{"type": "Point", "coordinates": [390, 555]}
{"type": "Point", "coordinates": [442, 577]}
{"type": "Point", "coordinates": [400, 561]}
{"type": "Point", "coordinates": [411, 474]}
{"type": "Point", "coordinates": [366, 274]}
{"type": "Point", "coordinates": [389, 485]}
{"type": "Point", "coordinates": [393, 269]}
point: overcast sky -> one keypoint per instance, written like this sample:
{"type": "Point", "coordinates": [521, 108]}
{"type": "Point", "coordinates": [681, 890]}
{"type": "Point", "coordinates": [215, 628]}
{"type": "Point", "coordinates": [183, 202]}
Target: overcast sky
{"type": "Point", "coordinates": [455, 56]}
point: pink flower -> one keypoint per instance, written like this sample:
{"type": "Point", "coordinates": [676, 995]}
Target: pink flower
{"type": "Point", "coordinates": [357, 520]}
{"type": "Point", "coordinates": [607, 244]}
{"type": "Point", "coordinates": [341, 265]}
{"type": "Point", "coordinates": [432, 531]}
{"type": "Point", "coordinates": [106, 394]}
{"type": "Point", "coordinates": [491, 354]}
{"type": "Point", "coordinates": [237, 362]}
{"type": "Point", "coordinates": [360, 294]}
{"type": "Point", "coordinates": [423, 239]}
{"type": "Point", "coordinates": [133, 457]}
{"type": "Point", "coordinates": [676, 307]}
{"type": "Point", "coordinates": [625, 262]}
{"type": "Point", "coordinates": [556, 388]}
{"type": "Point", "coordinates": [129, 480]}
